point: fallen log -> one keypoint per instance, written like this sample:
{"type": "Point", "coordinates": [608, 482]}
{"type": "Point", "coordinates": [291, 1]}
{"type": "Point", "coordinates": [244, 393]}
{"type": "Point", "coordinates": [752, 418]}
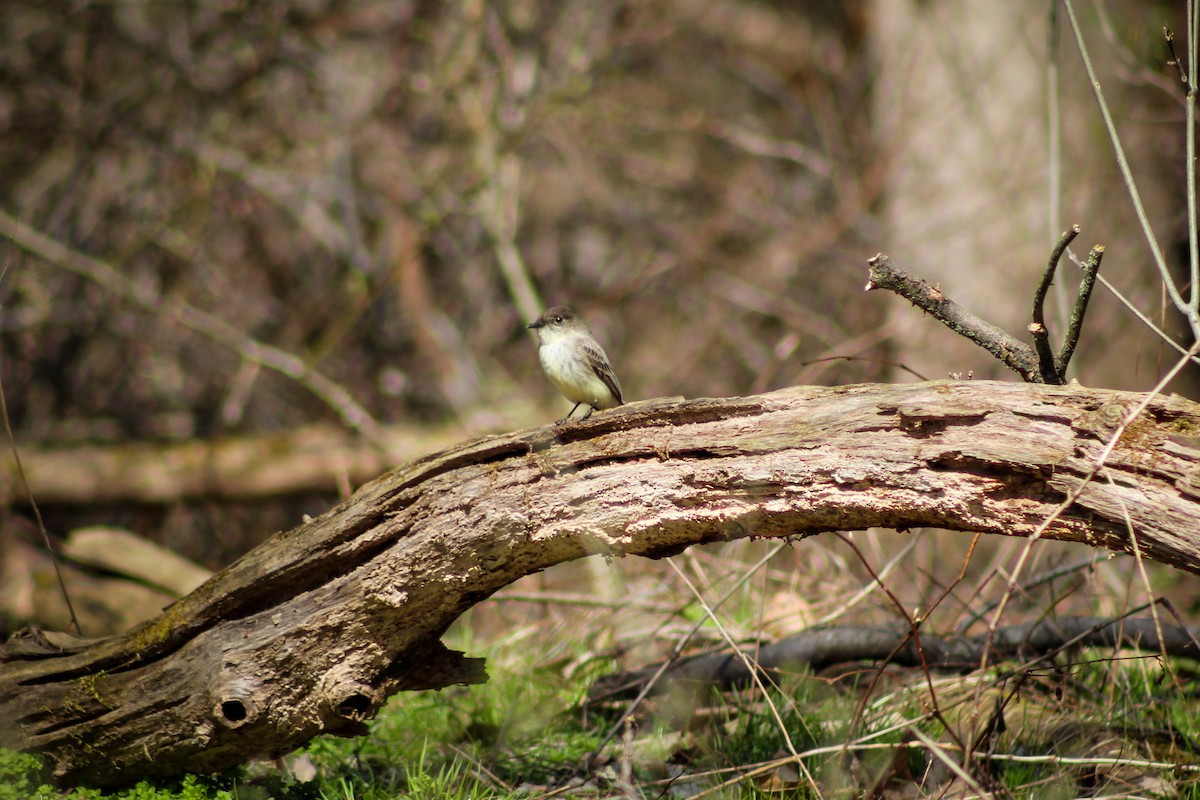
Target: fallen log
{"type": "Point", "coordinates": [304, 460]}
{"type": "Point", "coordinates": [309, 633]}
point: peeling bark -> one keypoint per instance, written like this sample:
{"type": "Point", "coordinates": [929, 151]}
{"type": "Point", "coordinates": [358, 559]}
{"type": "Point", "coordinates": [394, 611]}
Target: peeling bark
{"type": "Point", "coordinates": [311, 631]}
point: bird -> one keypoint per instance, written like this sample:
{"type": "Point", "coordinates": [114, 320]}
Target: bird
{"type": "Point", "coordinates": [575, 362]}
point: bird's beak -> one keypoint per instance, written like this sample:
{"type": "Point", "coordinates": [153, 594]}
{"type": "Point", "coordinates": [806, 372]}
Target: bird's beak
{"type": "Point", "coordinates": [535, 324]}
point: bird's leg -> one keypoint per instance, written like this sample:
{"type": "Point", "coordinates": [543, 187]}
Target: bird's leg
{"type": "Point", "coordinates": [588, 414]}
{"type": "Point", "coordinates": [572, 411]}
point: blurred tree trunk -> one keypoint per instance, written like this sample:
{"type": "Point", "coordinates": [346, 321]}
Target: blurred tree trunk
{"type": "Point", "coordinates": [963, 106]}
{"type": "Point", "coordinates": [115, 579]}
{"type": "Point", "coordinates": [312, 631]}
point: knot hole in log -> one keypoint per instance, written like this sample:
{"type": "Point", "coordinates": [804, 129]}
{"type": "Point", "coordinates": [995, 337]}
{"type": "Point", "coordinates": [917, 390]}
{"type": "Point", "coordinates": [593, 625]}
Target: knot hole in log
{"type": "Point", "coordinates": [235, 712]}
{"type": "Point", "coordinates": [357, 707]}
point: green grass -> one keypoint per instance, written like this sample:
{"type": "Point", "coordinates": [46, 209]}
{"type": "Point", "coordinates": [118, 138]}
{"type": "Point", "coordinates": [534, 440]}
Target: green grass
{"type": "Point", "coordinates": [513, 730]}
{"type": "Point", "coordinates": [523, 733]}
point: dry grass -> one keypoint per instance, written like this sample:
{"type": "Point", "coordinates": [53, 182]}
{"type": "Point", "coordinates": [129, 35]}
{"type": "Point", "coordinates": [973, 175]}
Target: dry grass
{"type": "Point", "coordinates": [1109, 721]}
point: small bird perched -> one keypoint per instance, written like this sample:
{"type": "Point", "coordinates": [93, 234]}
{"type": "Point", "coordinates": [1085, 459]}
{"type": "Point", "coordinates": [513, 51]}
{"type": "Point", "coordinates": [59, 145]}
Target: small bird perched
{"type": "Point", "coordinates": [574, 362]}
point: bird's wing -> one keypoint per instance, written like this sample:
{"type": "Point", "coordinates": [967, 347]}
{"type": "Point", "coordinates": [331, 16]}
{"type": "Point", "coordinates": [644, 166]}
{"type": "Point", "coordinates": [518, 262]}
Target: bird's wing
{"type": "Point", "coordinates": [598, 361]}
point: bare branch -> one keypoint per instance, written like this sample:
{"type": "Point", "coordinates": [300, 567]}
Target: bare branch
{"type": "Point", "coordinates": [1015, 354]}
{"type": "Point", "coordinates": [1091, 268]}
{"type": "Point", "coordinates": [1190, 312]}
{"type": "Point", "coordinates": [1041, 335]}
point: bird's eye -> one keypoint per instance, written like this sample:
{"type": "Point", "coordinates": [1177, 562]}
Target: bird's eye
{"type": "Point", "coordinates": [558, 320]}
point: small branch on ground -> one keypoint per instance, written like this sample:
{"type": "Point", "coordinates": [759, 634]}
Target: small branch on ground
{"type": "Point", "coordinates": [814, 650]}
{"type": "Point", "coordinates": [304, 460]}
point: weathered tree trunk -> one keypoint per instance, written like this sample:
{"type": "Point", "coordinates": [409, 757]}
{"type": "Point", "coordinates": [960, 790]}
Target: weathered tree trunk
{"type": "Point", "coordinates": [310, 632]}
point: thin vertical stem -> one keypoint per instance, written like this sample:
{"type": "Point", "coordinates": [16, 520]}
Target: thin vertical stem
{"type": "Point", "coordinates": [1054, 165]}
{"type": "Point", "coordinates": [1192, 314]}
{"type": "Point", "coordinates": [1190, 106]}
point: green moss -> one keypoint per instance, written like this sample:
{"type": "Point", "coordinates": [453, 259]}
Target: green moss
{"type": "Point", "coordinates": [1186, 426]}
{"type": "Point", "coordinates": [1143, 432]}
{"type": "Point", "coordinates": [156, 631]}
{"type": "Point", "coordinates": [88, 685]}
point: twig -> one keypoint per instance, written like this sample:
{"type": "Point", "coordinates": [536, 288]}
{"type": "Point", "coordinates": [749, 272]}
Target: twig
{"type": "Point", "coordinates": [1189, 312]}
{"type": "Point", "coordinates": [466, 755]}
{"type": "Point", "coordinates": [1189, 104]}
{"type": "Point", "coordinates": [303, 203]}
{"type": "Point", "coordinates": [1041, 335]}
{"type": "Point", "coordinates": [883, 361]}
{"type": "Point", "coordinates": [676, 652]}
{"type": "Point", "coordinates": [941, 755]}
{"type": "Point", "coordinates": [1174, 62]}
{"type": "Point", "coordinates": [498, 199]}
{"type": "Point", "coordinates": [1050, 758]}
{"type": "Point", "coordinates": [1035, 581]}
{"type": "Point", "coordinates": [862, 746]}
{"type": "Point", "coordinates": [769, 147]}
{"type": "Point", "coordinates": [845, 605]}
{"type": "Point", "coordinates": [913, 634]}
{"type": "Point", "coordinates": [1054, 137]}
{"type": "Point", "coordinates": [1015, 354]}
{"type": "Point", "coordinates": [754, 671]}
{"type": "Point", "coordinates": [568, 599]}
{"type": "Point", "coordinates": [1091, 268]}
{"type": "Point", "coordinates": [1141, 566]}
{"type": "Point", "coordinates": [37, 513]}
{"type": "Point", "coordinates": [1140, 316]}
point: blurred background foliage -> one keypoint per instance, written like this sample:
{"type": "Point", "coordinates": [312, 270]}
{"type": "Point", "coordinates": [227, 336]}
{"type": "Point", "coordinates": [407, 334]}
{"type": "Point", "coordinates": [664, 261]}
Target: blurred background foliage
{"type": "Point", "coordinates": [336, 178]}
{"type": "Point", "coordinates": [391, 190]}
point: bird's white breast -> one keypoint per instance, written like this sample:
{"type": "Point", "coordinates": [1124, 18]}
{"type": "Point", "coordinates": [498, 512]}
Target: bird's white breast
{"type": "Point", "coordinates": [569, 371]}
